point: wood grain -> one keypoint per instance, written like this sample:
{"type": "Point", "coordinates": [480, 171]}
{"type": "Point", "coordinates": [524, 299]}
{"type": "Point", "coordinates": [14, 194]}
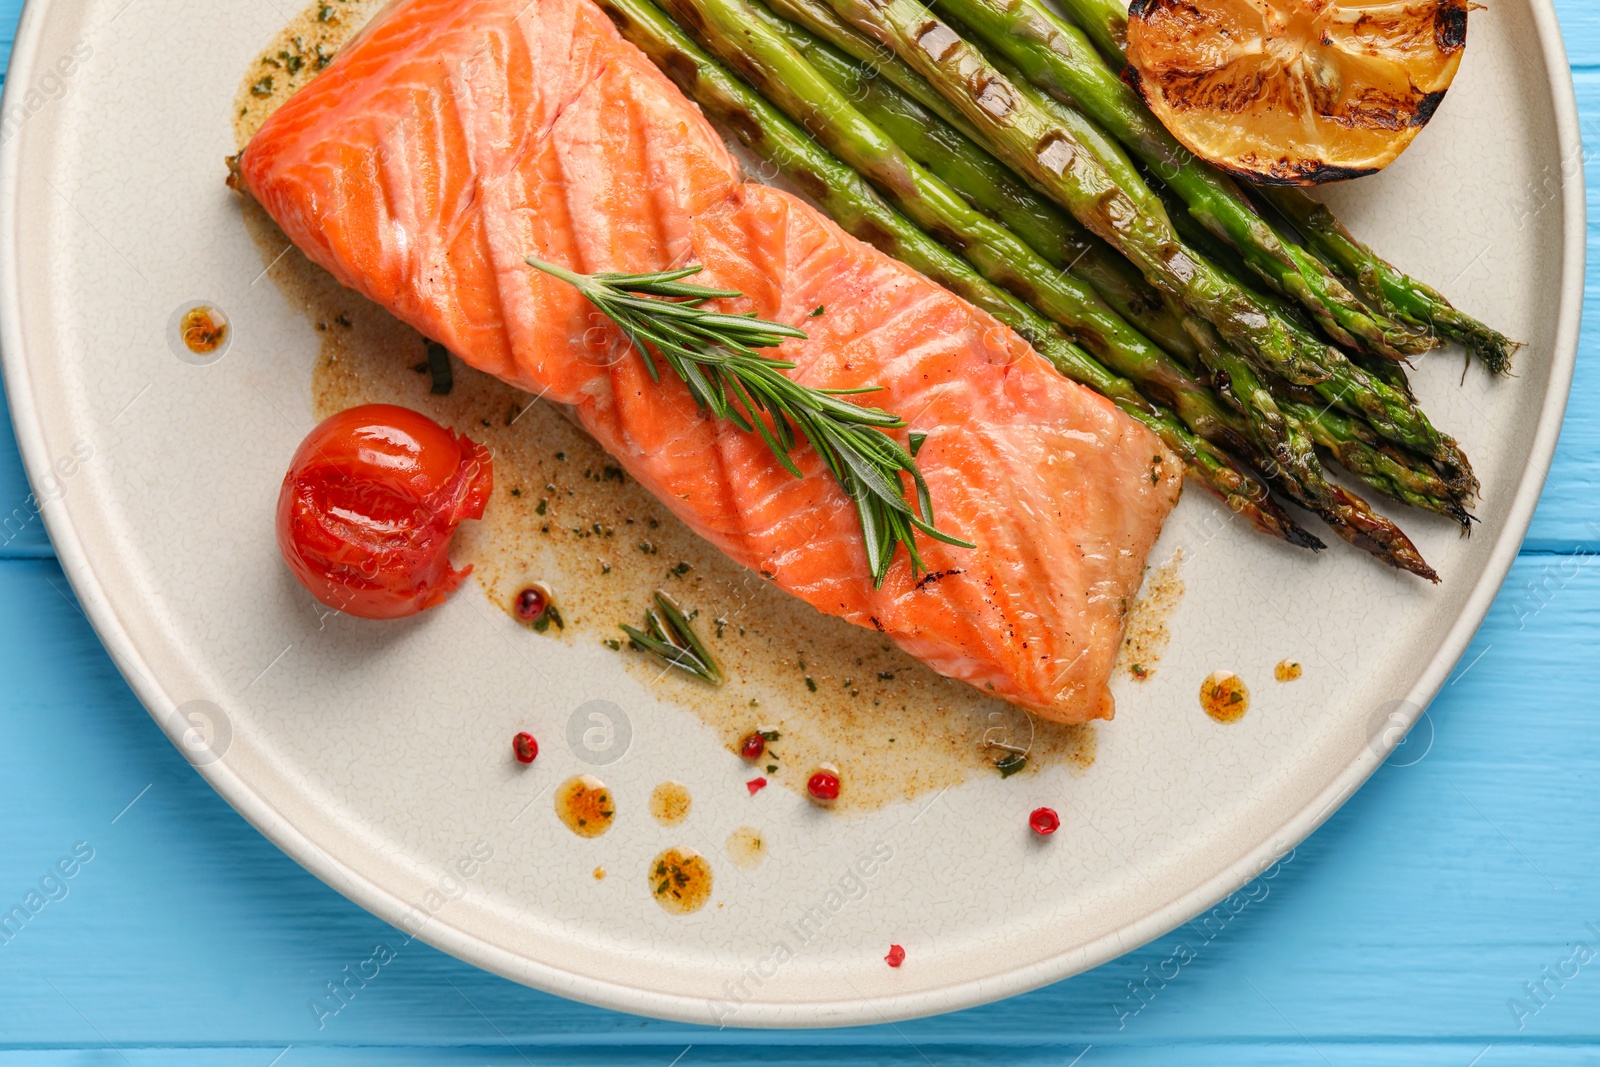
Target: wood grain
{"type": "Point", "coordinates": [1580, 25]}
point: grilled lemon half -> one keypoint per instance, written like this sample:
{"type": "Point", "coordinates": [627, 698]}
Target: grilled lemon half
{"type": "Point", "coordinates": [1295, 92]}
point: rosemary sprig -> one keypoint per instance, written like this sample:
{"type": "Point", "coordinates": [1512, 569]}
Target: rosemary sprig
{"type": "Point", "coordinates": [715, 356]}
{"type": "Point", "coordinates": [673, 641]}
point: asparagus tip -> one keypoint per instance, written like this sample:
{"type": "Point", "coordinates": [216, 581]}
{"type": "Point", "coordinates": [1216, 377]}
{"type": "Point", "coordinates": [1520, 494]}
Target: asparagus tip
{"type": "Point", "coordinates": [1300, 537]}
{"type": "Point", "coordinates": [1495, 350]}
{"type": "Point", "coordinates": [1366, 529]}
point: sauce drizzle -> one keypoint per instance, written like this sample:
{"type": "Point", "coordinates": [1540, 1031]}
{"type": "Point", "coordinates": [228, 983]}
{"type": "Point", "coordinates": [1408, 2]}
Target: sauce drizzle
{"type": "Point", "coordinates": [680, 880]}
{"type": "Point", "coordinates": [584, 804]}
{"type": "Point", "coordinates": [1224, 697]}
{"type": "Point", "coordinates": [203, 330]}
{"type": "Point", "coordinates": [746, 847]}
{"type": "Point", "coordinates": [669, 803]}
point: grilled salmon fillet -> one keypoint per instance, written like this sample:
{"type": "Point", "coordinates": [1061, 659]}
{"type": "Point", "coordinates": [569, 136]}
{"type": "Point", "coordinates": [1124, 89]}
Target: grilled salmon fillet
{"type": "Point", "coordinates": [455, 137]}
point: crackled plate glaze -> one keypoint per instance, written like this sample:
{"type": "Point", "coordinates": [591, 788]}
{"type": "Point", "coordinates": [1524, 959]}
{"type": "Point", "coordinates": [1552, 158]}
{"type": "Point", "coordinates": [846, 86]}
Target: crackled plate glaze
{"type": "Point", "coordinates": [378, 757]}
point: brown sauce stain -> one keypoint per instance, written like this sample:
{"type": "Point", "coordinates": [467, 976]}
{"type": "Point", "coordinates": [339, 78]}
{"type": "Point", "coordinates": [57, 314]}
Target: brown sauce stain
{"type": "Point", "coordinates": [564, 515]}
{"type": "Point", "coordinates": [584, 805]}
{"type": "Point", "coordinates": [746, 847]}
{"type": "Point", "coordinates": [297, 54]}
{"type": "Point", "coordinates": [669, 803]}
{"type": "Point", "coordinates": [680, 880]}
{"type": "Point", "coordinates": [1287, 670]}
{"type": "Point", "coordinates": [1145, 632]}
{"type": "Point", "coordinates": [1224, 697]}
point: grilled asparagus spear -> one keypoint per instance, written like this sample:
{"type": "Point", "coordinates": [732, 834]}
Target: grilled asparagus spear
{"type": "Point", "coordinates": [1385, 286]}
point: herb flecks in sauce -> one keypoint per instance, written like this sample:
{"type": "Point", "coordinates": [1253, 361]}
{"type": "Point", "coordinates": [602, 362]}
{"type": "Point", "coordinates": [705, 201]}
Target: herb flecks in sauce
{"type": "Point", "coordinates": [296, 55]}
{"type": "Point", "coordinates": [680, 880]}
{"type": "Point", "coordinates": [584, 805]}
{"type": "Point", "coordinates": [1145, 630]}
{"type": "Point", "coordinates": [1224, 697]}
{"type": "Point", "coordinates": [746, 847]}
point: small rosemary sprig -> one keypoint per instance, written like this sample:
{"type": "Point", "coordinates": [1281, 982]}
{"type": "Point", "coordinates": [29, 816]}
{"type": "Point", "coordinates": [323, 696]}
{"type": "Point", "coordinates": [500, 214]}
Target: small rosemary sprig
{"type": "Point", "coordinates": [715, 356]}
{"type": "Point", "coordinates": [672, 640]}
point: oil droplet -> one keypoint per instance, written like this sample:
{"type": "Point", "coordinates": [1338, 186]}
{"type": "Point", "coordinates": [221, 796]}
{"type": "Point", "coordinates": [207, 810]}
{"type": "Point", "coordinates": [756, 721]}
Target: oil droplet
{"type": "Point", "coordinates": [204, 330]}
{"type": "Point", "coordinates": [1224, 697]}
{"type": "Point", "coordinates": [746, 848]}
{"type": "Point", "coordinates": [599, 873]}
{"type": "Point", "coordinates": [1287, 671]}
{"type": "Point", "coordinates": [584, 803]}
{"type": "Point", "coordinates": [680, 880]}
{"type": "Point", "coordinates": [199, 333]}
{"type": "Point", "coordinates": [669, 803]}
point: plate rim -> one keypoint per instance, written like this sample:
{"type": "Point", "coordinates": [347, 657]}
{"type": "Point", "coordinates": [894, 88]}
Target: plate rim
{"type": "Point", "coordinates": [75, 562]}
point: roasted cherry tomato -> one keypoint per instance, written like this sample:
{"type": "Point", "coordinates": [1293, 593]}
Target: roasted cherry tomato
{"type": "Point", "coordinates": [369, 505]}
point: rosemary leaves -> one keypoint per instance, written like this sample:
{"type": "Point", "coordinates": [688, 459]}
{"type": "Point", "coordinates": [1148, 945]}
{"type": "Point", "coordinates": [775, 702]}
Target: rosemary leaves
{"type": "Point", "coordinates": [715, 355]}
{"type": "Point", "coordinates": [672, 640]}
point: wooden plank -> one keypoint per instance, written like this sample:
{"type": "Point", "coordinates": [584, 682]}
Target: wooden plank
{"type": "Point", "coordinates": [803, 1052]}
{"type": "Point", "coordinates": [1580, 28]}
{"type": "Point", "coordinates": [10, 12]}
{"type": "Point", "coordinates": [22, 533]}
{"type": "Point", "coordinates": [1415, 914]}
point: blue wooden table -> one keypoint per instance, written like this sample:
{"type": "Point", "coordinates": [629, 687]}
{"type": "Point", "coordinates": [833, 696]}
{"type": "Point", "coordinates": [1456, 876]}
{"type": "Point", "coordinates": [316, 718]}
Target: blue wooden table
{"type": "Point", "coordinates": [1449, 914]}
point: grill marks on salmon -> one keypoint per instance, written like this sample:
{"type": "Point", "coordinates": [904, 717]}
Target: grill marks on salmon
{"type": "Point", "coordinates": [455, 137]}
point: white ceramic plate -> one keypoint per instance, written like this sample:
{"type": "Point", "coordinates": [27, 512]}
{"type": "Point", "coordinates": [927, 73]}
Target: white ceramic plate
{"type": "Point", "coordinates": [377, 758]}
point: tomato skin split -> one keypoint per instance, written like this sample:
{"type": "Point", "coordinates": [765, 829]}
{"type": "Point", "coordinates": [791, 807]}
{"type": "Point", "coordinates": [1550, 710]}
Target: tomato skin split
{"type": "Point", "coordinates": [371, 501]}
